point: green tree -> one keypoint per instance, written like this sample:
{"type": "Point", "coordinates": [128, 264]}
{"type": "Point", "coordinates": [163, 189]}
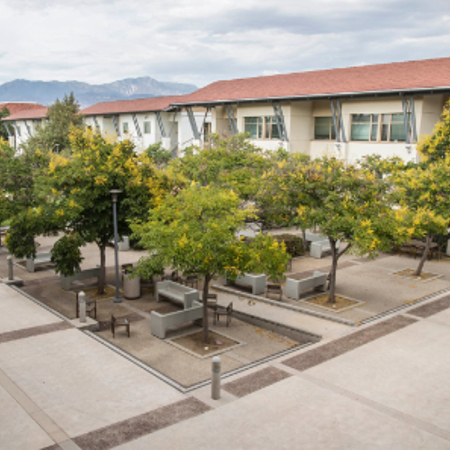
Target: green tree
{"type": "Point", "coordinates": [78, 200]}
{"type": "Point", "coordinates": [231, 163]}
{"type": "Point", "coordinates": [3, 131]}
{"type": "Point", "coordinates": [196, 232]}
{"type": "Point", "coordinates": [18, 176]}
{"type": "Point", "coordinates": [423, 194]}
{"type": "Point", "coordinates": [158, 154]}
{"type": "Point", "coordinates": [54, 135]}
{"type": "Point", "coordinates": [347, 202]}
{"type": "Point", "coordinates": [437, 146]}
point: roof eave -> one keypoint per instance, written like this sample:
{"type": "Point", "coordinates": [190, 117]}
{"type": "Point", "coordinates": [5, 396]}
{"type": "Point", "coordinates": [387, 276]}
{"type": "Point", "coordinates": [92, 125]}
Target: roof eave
{"type": "Point", "coordinates": [368, 94]}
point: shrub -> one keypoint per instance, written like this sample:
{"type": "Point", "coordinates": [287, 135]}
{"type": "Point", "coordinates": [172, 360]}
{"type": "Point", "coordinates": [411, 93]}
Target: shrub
{"type": "Point", "coordinates": [293, 243]}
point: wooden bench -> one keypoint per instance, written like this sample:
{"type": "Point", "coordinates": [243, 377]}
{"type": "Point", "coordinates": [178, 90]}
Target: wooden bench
{"type": "Point", "coordinates": [256, 282]}
{"type": "Point", "coordinates": [119, 322]}
{"type": "Point", "coordinates": [65, 282]}
{"type": "Point", "coordinates": [183, 295]}
{"type": "Point", "coordinates": [273, 288]}
{"type": "Point", "coordinates": [294, 288]}
{"type": "Point", "coordinates": [40, 258]}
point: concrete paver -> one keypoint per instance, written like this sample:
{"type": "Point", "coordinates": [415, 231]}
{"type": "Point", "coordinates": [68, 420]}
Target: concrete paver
{"type": "Point", "coordinates": [79, 383]}
{"type": "Point", "coordinates": [293, 413]}
{"type": "Point", "coordinates": [17, 428]}
{"type": "Point", "coordinates": [17, 312]}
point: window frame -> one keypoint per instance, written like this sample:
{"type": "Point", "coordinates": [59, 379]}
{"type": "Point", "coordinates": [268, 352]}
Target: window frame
{"type": "Point", "coordinates": [147, 122]}
{"type": "Point", "coordinates": [381, 124]}
{"type": "Point", "coordinates": [125, 128]}
{"type": "Point", "coordinates": [265, 126]}
{"type": "Point", "coordinates": [331, 131]}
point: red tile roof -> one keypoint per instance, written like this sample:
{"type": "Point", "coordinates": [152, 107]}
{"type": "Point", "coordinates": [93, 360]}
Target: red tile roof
{"type": "Point", "coordinates": [36, 113]}
{"type": "Point", "coordinates": [132, 106]}
{"type": "Point", "coordinates": [425, 74]}
{"type": "Point", "coordinates": [15, 107]}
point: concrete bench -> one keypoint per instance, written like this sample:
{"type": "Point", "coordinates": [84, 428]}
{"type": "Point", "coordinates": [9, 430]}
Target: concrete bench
{"type": "Point", "coordinates": [183, 295]}
{"type": "Point", "coordinates": [40, 258]}
{"type": "Point", "coordinates": [318, 248]}
{"type": "Point", "coordinates": [295, 287]}
{"type": "Point", "coordinates": [256, 282]}
{"type": "Point", "coordinates": [65, 282]}
{"type": "Point", "coordinates": [160, 323]}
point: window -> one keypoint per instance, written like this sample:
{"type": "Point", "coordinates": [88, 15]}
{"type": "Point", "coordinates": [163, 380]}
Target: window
{"type": "Point", "coordinates": [18, 130]}
{"type": "Point", "coordinates": [378, 127]}
{"type": "Point", "coordinates": [393, 128]}
{"type": "Point", "coordinates": [324, 128]}
{"type": "Point", "coordinates": [147, 128]}
{"type": "Point", "coordinates": [125, 127]}
{"type": "Point", "coordinates": [364, 127]}
{"type": "Point", "coordinates": [262, 127]}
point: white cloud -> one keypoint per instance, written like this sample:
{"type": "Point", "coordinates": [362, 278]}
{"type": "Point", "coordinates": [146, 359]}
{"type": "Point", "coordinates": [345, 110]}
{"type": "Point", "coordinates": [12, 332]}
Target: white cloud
{"type": "Point", "coordinates": [201, 41]}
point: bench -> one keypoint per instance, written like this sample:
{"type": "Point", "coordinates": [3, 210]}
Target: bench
{"type": "Point", "coordinates": [294, 288]}
{"type": "Point", "coordinates": [40, 258]}
{"type": "Point", "coordinates": [160, 323]}
{"type": "Point", "coordinates": [256, 282]}
{"type": "Point", "coordinates": [183, 295]}
{"type": "Point", "coordinates": [65, 282]}
{"type": "Point", "coordinates": [319, 245]}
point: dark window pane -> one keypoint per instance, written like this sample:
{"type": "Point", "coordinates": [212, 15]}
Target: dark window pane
{"type": "Point", "coordinates": [252, 129]}
{"type": "Point", "coordinates": [397, 117]}
{"type": "Point", "coordinates": [397, 132]}
{"type": "Point", "coordinates": [384, 132]}
{"type": "Point", "coordinates": [322, 132]}
{"type": "Point", "coordinates": [360, 132]}
{"type": "Point", "coordinates": [361, 118]}
{"type": "Point", "coordinates": [374, 133]}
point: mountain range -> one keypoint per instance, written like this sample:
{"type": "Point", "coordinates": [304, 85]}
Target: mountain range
{"type": "Point", "coordinates": [46, 92]}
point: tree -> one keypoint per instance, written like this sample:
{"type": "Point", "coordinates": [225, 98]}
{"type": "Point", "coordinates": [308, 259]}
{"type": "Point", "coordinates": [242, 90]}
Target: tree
{"type": "Point", "coordinates": [18, 176]}
{"type": "Point", "coordinates": [231, 163]}
{"type": "Point", "coordinates": [196, 232]}
{"type": "Point", "coordinates": [3, 131]}
{"type": "Point", "coordinates": [437, 146]}
{"type": "Point", "coordinates": [54, 135]}
{"type": "Point", "coordinates": [78, 200]}
{"type": "Point", "coordinates": [158, 154]}
{"type": "Point", "coordinates": [347, 202]}
{"type": "Point", "coordinates": [423, 194]}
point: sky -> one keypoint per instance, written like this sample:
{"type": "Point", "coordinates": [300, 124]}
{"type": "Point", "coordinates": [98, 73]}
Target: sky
{"type": "Point", "coordinates": [198, 42]}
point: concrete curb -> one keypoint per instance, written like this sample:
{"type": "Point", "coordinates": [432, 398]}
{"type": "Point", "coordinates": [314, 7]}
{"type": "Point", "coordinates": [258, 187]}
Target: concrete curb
{"type": "Point", "coordinates": [285, 306]}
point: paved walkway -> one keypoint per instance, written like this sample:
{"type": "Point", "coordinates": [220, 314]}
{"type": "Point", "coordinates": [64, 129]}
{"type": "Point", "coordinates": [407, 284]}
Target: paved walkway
{"type": "Point", "coordinates": [383, 385]}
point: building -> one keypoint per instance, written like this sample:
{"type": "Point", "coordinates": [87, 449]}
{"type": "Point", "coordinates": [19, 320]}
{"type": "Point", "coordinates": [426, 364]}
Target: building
{"type": "Point", "coordinates": [352, 112]}
{"type": "Point", "coordinates": [23, 120]}
{"type": "Point", "coordinates": [148, 121]}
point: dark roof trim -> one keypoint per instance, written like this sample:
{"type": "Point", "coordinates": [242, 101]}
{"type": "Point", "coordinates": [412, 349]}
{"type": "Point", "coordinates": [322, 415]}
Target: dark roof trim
{"type": "Point", "coordinates": [340, 95]}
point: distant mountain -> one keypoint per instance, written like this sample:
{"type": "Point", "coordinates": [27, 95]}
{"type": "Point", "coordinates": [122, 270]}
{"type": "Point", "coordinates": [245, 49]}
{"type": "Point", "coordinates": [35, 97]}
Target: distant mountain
{"type": "Point", "coordinates": [46, 92]}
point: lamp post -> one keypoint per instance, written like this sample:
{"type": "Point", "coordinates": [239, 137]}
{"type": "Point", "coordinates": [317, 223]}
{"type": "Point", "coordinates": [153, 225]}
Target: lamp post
{"type": "Point", "coordinates": [114, 194]}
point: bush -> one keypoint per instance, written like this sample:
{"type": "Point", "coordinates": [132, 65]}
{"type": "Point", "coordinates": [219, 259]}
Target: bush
{"type": "Point", "coordinates": [293, 243]}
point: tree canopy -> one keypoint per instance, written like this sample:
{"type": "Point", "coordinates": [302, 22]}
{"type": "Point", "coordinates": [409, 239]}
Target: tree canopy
{"type": "Point", "coordinates": [54, 134]}
{"type": "Point", "coordinates": [78, 200]}
{"type": "Point", "coordinates": [196, 232]}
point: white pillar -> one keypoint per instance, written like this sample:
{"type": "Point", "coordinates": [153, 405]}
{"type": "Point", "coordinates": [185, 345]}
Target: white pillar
{"type": "Point", "coordinates": [82, 306]}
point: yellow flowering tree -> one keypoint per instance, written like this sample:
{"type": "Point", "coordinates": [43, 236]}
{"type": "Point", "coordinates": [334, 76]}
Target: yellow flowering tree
{"type": "Point", "coordinates": [347, 202]}
{"type": "Point", "coordinates": [423, 196]}
{"type": "Point", "coordinates": [196, 232]}
{"type": "Point", "coordinates": [78, 200]}
{"type": "Point", "coordinates": [437, 146]}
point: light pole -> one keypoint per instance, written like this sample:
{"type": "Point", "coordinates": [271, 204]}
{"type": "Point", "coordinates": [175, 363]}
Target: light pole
{"type": "Point", "coordinates": [114, 194]}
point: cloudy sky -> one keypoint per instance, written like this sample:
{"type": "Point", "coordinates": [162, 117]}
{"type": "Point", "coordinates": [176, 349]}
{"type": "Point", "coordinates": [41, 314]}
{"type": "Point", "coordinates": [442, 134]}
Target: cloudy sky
{"type": "Point", "coordinates": [202, 41]}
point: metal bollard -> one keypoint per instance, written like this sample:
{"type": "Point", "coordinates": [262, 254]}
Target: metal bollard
{"type": "Point", "coordinates": [10, 268]}
{"type": "Point", "coordinates": [82, 306]}
{"type": "Point", "coordinates": [215, 385]}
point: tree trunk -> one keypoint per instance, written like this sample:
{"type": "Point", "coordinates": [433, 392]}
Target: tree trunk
{"type": "Point", "coordinates": [102, 275]}
{"type": "Point", "coordinates": [426, 250]}
{"type": "Point", "coordinates": [205, 308]}
{"type": "Point", "coordinates": [305, 243]}
{"type": "Point", "coordinates": [334, 261]}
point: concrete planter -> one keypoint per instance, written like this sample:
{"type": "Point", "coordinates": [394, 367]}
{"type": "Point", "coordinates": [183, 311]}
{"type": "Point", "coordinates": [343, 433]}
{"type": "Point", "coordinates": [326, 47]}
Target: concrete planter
{"type": "Point", "coordinates": [131, 286]}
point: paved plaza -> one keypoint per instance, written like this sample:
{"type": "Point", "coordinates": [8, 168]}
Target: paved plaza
{"type": "Point", "coordinates": [382, 384]}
